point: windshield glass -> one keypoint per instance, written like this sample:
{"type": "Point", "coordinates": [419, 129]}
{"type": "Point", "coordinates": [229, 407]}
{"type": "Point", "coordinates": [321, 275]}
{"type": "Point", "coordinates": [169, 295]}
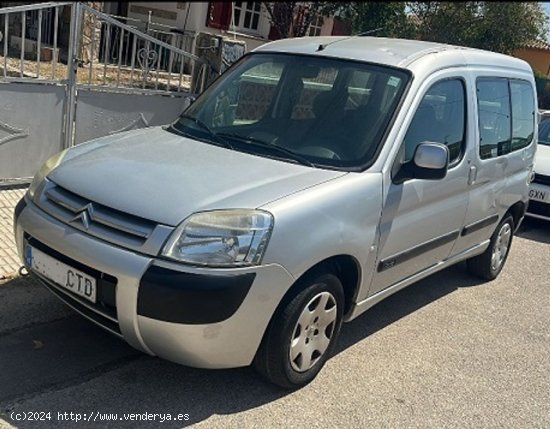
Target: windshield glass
{"type": "Point", "coordinates": [544, 131]}
{"type": "Point", "coordinates": [303, 109]}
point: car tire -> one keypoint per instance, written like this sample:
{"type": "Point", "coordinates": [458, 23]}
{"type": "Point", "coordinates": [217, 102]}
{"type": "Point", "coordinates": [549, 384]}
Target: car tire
{"type": "Point", "coordinates": [489, 264]}
{"type": "Point", "coordinates": [303, 332]}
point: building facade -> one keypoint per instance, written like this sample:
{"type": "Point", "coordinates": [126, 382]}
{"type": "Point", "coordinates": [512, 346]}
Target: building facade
{"type": "Point", "coordinates": [245, 21]}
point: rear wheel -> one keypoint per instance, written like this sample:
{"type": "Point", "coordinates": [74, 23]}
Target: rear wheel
{"type": "Point", "coordinates": [303, 333]}
{"type": "Point", "coordinates": [489, 264]}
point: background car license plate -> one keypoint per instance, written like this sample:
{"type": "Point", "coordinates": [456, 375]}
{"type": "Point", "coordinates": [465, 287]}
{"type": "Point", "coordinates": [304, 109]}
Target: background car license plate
{"type": "Point", "coordinates": [539, 193]}
{"type": "Point", "coordinates": [61, 274]}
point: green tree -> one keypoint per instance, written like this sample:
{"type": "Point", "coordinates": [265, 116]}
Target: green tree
{"type": "Point", "coordinates": [389, 17]}
{"type": "Point", "coordinates": [495, 26]}
{"type": "Point", "coordinates": [292, 18]}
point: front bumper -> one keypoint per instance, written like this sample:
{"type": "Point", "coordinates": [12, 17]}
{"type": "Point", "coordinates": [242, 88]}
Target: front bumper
{"type": "Point", "coordinates": [208, 318]}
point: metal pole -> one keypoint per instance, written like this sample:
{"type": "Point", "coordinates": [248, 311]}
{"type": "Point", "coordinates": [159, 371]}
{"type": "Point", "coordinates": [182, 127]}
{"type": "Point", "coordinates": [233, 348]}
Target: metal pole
{"type": "Point", "coordinates": [134, 41]}
{"type": "Point", "coordinates": [106, 51]}
{"type": "Point", "coordinates": [72, 65]}
{"type": "Point", "coordinates": [120, 46]}
{"type": "Point", "coordinates": [6, 19]}
{"type": "Point", "coordinates": [170, 63]}
{"type": "Point", "coordinates": [181, 72]}
{"type": "Point", "coordinates": [54, 56]}
{"type": "Point", "coordinates": [38, 44]}
{"type": "Point", "coordinates": [23, 35]}
{"type": "Point", "coordinates": [158, 68]}
{"type": "Point", "coordinates": [94, 25]}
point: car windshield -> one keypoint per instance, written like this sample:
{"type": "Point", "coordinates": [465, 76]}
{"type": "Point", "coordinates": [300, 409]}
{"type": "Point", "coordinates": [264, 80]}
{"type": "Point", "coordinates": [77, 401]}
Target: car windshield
{"type": "Point", "coordinates": [302, 109]}
{"type": "Point", "coordinates": [544, 131]}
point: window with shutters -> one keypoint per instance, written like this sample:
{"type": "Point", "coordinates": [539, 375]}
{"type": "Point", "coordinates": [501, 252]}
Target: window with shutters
{"type": "Point", "coordinates": [246, 15]}
{"type": "Point", "coordinates": [219, 15]}
{"type": "Point", "coordinates": [315, 26]}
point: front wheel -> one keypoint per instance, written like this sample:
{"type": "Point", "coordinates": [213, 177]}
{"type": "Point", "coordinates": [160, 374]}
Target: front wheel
{"type": "Point", "coordinates": [303, 333]}
{"type": "Point", "coordinates": [489, 264]}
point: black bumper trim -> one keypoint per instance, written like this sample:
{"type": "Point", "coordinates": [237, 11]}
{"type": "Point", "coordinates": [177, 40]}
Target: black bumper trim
{"type": "Point", "coordinates": [539, 208]}
{"type": "Point", "coordinates": [173, 296]}
{"type": "Point", "coordinates": [17, 211]}
{"type": "Point", "coordinates": [476, 226]}
{"type": "Point", "coordinates": [406, 255]}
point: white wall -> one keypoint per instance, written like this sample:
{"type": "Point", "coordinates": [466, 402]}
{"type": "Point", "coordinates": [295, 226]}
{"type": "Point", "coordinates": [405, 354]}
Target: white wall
{"type": "Point", "coordinates": [196, 20]}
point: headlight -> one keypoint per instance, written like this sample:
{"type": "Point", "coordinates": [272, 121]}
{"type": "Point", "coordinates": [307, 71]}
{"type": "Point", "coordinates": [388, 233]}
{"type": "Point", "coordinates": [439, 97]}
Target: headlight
{"type": "Point", "coordinates": [222, 238]}
{"type": "Point", "coordinates": [48, 166]}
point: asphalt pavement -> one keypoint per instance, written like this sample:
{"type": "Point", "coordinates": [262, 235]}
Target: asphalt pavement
{"type": "Point", "coordinates": [447, 352]}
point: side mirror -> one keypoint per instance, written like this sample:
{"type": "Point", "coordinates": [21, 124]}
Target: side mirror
{"type": "Point", "coordinates": [430, 162]}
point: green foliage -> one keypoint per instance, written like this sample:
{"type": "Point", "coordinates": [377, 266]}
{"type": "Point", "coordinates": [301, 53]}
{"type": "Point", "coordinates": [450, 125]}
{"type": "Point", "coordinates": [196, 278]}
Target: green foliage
{"type": "Point", "coordinates": [292, 18]}
{"type": "Point", "coordinates": [390, 17]}
{"type": "Point", "coordinates": [494, 26]}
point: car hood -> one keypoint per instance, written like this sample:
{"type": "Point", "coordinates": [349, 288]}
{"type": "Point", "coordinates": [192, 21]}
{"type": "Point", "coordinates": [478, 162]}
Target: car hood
{"type": "Point", "coordinates": [165, 177]}
{"type": "Point", "coordinates": [542, 160]}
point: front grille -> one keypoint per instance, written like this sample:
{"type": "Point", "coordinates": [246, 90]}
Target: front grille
{"type": "Point", "coordinates": [103, 311]}
{"type": "Point", "coordinates": [542, 179]}
{"type": "Point", "coordinates": [100, 221]}
{"type": "Point", "coordinates": [538, 208]}
{"type": "Point", "coordinates": [83, 213]}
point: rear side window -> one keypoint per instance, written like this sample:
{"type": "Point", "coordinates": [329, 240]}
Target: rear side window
{"type": "Point", "coordinates": [523, 114]}
{"type": "Point", "coordinates": [495, 130]}
{"type": "Point", "coordinates": [506, 110]}
{"type": "Point", "coordinates": [441, 118]}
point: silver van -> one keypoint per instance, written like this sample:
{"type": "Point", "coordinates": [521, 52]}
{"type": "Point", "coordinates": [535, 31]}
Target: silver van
{"type": "Point", "coordinates": [313, 179]}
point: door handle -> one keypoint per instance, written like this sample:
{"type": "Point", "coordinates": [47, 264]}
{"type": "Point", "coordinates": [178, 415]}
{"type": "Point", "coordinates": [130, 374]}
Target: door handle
{"type": "Point", "coordinates": [472, 175]}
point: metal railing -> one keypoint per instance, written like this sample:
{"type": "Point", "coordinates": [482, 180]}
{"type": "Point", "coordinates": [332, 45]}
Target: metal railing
{"type": "Point", "coordinates": [39, 45]}
{"type": "Point", "coordinates": [91, 50]}
{"type": "Point", "coordinates": [118, 55]}
{"type": "Point", "coordinates": [182, 39]}
{"type": "Point", "coordinates": [36, 43]}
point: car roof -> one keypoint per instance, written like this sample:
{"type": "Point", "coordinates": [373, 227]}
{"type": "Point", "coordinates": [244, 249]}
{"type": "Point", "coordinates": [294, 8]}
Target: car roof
{"type": "Point", "coordinates": [401, 53]}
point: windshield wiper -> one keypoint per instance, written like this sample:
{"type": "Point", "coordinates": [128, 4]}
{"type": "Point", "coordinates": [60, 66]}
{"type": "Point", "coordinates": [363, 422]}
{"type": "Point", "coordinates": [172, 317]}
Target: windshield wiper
{"type": "Point", "coordinates": [287, 154]}
{"type": "Point", "coordinates": [212, 134]}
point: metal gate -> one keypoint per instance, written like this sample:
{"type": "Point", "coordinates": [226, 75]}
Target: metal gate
{"type": "Point", "coordinates": [61, 85]}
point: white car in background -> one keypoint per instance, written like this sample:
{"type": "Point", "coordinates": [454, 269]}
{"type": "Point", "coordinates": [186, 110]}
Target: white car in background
{"type": "Point", "coordinates": [539, 193]}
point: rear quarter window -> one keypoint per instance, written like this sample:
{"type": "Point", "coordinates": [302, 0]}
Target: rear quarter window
{"type": "Point", "coordinates": [507, 113]}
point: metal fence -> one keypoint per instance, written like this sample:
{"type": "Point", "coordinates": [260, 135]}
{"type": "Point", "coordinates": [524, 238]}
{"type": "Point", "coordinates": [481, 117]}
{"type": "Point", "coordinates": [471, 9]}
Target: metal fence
{"type": "Point", "coordinates": [31, 33]}
{"type": "Point", "coordinates": [112, 51]}
{"type": "Point", "coordinates": [118, 54]}
{"type": "Point", "coordinates": [173, 36]}
{"type": "Point", "coordinates": [56, 55]}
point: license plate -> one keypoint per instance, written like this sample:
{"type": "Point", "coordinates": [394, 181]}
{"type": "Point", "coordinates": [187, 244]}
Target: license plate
{"type": "Point", "coordinates": [76, 281]}
{"type": "Point", "coordinates": [539, 193]}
